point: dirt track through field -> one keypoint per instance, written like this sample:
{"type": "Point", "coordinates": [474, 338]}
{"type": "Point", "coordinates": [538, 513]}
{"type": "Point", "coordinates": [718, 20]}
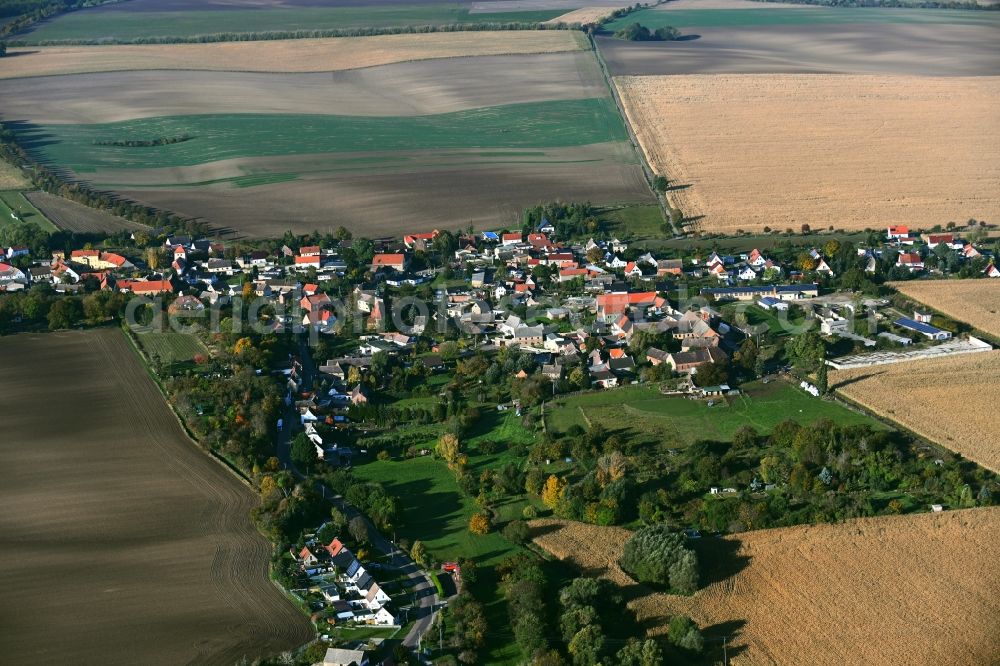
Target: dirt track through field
{"type": "Point", "coordinates": [294, 55]}
{"type": "Point", "coordinates": [921, 589]}
{"type": "Point", "coordinates": [848, 151]}
{"type": "Point", "coordinates": [121, 538]}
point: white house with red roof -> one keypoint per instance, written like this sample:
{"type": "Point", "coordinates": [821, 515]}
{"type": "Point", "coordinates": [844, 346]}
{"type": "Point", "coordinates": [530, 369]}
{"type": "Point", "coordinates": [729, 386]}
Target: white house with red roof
{"type": "Point", "coordinates": [513, 238]}
{"type": "Point", "coordinates": [992, 271]}
{"type": "Point", "coordinates": [898, 231]}
{"type": "Point", "coordinates": [911, 261]}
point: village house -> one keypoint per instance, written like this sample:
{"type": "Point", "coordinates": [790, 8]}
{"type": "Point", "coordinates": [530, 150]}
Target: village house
{"type": "Point", "coordinates": [395, 261]}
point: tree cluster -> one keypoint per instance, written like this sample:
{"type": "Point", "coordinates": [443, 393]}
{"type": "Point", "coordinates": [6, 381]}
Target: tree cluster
{"type": "Point", "coordinates": [656, 554]}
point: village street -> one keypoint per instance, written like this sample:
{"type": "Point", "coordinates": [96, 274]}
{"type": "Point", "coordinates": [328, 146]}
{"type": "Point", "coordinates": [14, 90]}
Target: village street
{"type": "Point", "coordinates": [424, 597]}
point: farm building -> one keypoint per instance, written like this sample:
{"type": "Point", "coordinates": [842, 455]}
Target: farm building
{"type": "Point", "coordinates": [772, 303]}
{"type": "Point", "coordinates": [923, 328]}
{"type": "Point", "coordinates": [784, 292]}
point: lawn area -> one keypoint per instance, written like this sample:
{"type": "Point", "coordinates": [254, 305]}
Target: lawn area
{"type": "Point", "coordinates": [171, 347]}
{"type": "Point", "coordinates": [709, 18]}
{"type": "Point", "coordinates": [775, 321]}
{"type": "Point", "coordinates": [213, 137]}
{"type": "Point", "coordinates": [641, 412]}
{"type": "Point", "coordinates": [434, 510]}
{"type": "Point", "coordinates": [121, 23]}
{"type": "Point", "coordinates": [641, 221]}
{"type": "Point", "coordinates": [14, 202]}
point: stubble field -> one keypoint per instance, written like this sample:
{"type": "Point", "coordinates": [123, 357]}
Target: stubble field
{"type": "Point", "coordinates": [292, 55]}
{"type": "Point", "coordinates": [950, 401]}
{"type": "Point", "coordinates": [848, 151]}
{"type": "Point", "coordinates": [918, 589]}
{"type": "Point", "coordinates": [122, 541]}
{"type": "Point", "coordinates": [976, 302]}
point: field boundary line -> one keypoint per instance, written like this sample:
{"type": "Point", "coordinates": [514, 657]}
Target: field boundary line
{"type": "Point", "coordinates": [187, 433]}
{"type": "Point", "coordinates": [647, 169]}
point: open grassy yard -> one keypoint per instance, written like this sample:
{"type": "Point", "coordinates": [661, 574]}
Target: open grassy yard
{"type": "Point", "coordinates": [913, 589]}
{"type": "Point", "coordinates": [435, 511]}
{"type": "Point", "coordinates": [642, 412]}
{"type": "Point", "coordinates": [14, 202]}
{"type": "Point", "coordinates": [171, 347]}
{"type": "Point", "coordinates": [121, 537]}
{"type": "Point", "coordinates": [124, 22]}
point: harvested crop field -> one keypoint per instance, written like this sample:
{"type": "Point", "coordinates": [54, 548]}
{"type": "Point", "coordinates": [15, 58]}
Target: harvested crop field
{"type": "Point", "coordinates": [121, 538]}
{"type": "Point", "coordinates": [948, 400]}
{"type": "Point", "coordinates": [918, 589]}
{"type": "Point", "coordinates": [976, 302]}
{"type": "Point", "coordinates": [584, 15]}
{"type": "Point", "coordinates": [293, 55]}
{"type": "Point", "coordinates": [409, 145]}
{"type": "Point", "coordinates": [76, 217]}
{"type": "Point", "coordinates": [783, 150]}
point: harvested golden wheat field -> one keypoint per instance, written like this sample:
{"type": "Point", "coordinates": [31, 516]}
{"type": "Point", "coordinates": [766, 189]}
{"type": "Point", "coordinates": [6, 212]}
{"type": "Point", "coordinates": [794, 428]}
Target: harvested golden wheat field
{"type": "Point", "coordinates": [919, 589]}
{"type": "Point", "coordinates": [947, 400]}
{"type": "Point", "coordinates": [976, 302]}
{"type": "Point", "coordinates": [848, 151]}
{"type": "Point", "coordinates": [294, 55]}
{"type": "Point", "coordinates": [583, 15]}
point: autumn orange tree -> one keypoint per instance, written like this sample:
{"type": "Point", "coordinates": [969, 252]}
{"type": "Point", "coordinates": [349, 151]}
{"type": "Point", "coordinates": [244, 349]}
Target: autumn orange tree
{"type": "Point", "coordinates": [479, 524]}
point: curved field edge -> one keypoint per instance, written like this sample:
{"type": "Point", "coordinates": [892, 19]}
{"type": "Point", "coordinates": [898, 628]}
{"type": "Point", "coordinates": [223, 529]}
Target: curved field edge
{"type": "Point", "coordinates": [285, 56]}
{"type": "Point", "coordinates": [916, 589]}
{"type": "Point", "coordinates": [950, 401]}
{"type": "Point", "coordinates": [143, 539]}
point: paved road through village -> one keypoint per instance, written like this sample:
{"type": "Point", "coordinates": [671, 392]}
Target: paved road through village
{"type": "Point", "coordinates": [421, 588]}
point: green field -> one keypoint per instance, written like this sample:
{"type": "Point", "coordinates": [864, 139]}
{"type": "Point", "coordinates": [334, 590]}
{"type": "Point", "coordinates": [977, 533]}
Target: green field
{"type": "Point", "coordinates": [738, 18]}
{"type": "Point", "coordinates": [171, 347]}
{"type": "Point", "coordinates": [123, 24]}
{"type": "Point", "coordinates": [641, 412]}
{"type": "Point", "coordinates": [219, 137]}
{"type": "Point", "coordinates": [434, 510]}
{"type": "Point", "coordinates": [639, 221]}
{"type": "Point", "coordinates": [14, 202]}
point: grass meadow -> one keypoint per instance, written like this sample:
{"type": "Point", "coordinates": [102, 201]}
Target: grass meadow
{"type": "Point", "coordinates": [171, 347]}
{"type": "Point", "coordinates": [642, 412]}
{"type": "Point", "coordinates": [16, 203]}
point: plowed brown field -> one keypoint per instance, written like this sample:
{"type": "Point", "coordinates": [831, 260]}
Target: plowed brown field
{"type": "Point", "coordinates": [848, 151]}
{"type": "Point", "coordinates": [948, 400]}
{"type": "Point", "coordinates": [919, 589]}
{"type": "Point", "coordinates": [294, 55]}
{"type": "Point", "coordinates": [976, 302]}
{"type": "Point", "coordinates": [123, 543]}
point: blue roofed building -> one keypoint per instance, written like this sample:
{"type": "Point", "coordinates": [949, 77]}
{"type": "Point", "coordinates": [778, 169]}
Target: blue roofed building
{"type": "Point", "coordinates": [924, 329]}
